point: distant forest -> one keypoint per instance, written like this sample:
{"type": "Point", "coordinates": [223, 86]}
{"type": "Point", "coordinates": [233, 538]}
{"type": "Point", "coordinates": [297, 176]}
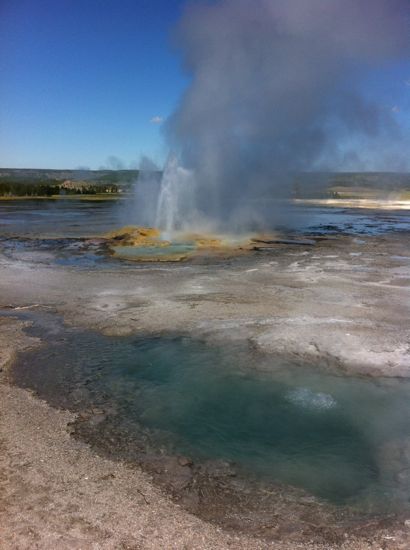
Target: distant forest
{"type": "Point", "coordinates": [49, 188]}
{"type": "Point", "coordinates": [16, 182]}
{"type": "Point", "coordinates": [46, 183]}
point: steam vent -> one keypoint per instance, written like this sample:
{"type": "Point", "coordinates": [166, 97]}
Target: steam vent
{"type": "Point", "coordinates": [145, 244]}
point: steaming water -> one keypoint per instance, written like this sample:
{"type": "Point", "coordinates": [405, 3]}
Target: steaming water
{"type": "Point", "coordinates": [50, 231]}
{"type": "Point", "coordinates": [79, 218]}
{"type": "Point", "coordinates": [175, 201]}
{"type": "Point", "coordinates": [344, 439]}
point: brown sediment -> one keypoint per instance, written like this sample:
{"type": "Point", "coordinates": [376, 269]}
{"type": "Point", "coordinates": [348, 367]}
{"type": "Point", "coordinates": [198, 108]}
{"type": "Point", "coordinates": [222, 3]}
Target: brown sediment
{"type": "Point", "coordinates": [165, 258]}
{"type": "Point", "coordinates": [131, 235]}
{"type": "Point", "coordinates": [126, 240]}
{"type": "Point", "coordinates": [129, 242]}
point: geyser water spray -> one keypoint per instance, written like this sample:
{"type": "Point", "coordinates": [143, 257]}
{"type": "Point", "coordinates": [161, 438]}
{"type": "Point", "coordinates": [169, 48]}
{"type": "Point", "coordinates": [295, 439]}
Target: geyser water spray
{"type": "Point", "coordinates": [175, 208]}
{"type": "Point", "coordinates": [275, 88]}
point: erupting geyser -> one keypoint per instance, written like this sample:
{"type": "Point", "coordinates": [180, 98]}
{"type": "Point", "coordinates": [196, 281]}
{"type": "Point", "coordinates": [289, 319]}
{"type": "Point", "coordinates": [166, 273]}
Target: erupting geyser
{"type": "Point", "coordinates": [175, 207]}
{"type": "Point", "coordinates": [275, 89]}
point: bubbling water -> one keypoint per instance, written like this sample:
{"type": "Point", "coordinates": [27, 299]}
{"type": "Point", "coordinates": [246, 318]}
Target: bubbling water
{"type": "Point", "coordinates": [306, 398]}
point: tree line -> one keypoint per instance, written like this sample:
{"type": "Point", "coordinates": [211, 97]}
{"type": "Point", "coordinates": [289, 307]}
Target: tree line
{"type": "Point", "coordinates": [50, 187]}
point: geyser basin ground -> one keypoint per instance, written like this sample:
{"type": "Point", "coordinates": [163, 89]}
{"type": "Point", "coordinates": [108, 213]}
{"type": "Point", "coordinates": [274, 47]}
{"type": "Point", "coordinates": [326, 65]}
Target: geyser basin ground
{"type": "Point", "coordinates": [333, 436]}
{"type": "Point", "coordinates": [148, 244]}
{"type": "Point", "coordinates": [342, 304]}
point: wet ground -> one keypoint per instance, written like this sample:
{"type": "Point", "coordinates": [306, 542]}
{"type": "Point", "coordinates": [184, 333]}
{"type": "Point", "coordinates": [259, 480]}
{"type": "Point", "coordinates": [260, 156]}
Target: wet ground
{"type": "Point", "coordinates": [274, 420]}
{"type": "Point", "coordinates": [319, 335]}
{"type": "Point", "coordinates": [68, 232]}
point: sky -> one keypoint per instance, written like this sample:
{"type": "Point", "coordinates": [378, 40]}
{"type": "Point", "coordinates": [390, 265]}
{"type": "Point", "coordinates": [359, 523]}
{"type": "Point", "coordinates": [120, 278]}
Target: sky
{"type": "Point", "coordinates": [88, 83]}
{"type": "Point", "coordinates": [85, 80]}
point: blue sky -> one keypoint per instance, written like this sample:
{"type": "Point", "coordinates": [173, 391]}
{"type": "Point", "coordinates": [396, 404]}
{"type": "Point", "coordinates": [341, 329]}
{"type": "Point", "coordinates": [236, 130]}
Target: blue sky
{"type": "Point", "coordinates": [82, 80]}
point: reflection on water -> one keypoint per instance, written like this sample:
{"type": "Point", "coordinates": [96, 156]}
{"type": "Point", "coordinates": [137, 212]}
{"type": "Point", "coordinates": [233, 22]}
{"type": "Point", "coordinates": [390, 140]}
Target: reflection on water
{"type": "Point", "coordinates": [79, 218]}
{"type": "Point", "coordinates": [65, 232]}
{"type": "Point", "coordinates": [53, 218]}
{"type": "Point", "coordinates": [341, 438]}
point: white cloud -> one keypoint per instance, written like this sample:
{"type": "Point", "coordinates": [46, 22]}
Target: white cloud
{"type": "Point", "coordinates": [157, 119]}
{"type": "Point", "coordinates": [395, 109]}
{"type": "Point", "coordinates": [407, 82]}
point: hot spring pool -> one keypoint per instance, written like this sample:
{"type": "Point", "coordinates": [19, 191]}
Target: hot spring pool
{"type": "Point", "coordinates": [340, 438]}
{"type": "Point", "coordinates": [154, 253]}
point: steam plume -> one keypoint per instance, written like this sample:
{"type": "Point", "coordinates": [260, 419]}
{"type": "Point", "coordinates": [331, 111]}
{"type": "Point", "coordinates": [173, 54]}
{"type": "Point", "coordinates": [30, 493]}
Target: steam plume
{"type": "Point", "coordinates": [274, 90]}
